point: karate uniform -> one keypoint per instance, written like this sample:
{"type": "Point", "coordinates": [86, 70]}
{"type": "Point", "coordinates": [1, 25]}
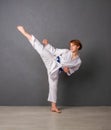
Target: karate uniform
{"type": "Point", "coordinates": [49, 56]}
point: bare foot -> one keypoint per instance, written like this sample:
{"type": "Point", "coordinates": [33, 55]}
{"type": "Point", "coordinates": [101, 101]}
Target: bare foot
{"type": "Point", "coordinates": [55, 110]}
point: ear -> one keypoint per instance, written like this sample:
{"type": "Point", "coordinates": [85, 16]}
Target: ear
{"type": "Point", "coordinates": [78, 47]}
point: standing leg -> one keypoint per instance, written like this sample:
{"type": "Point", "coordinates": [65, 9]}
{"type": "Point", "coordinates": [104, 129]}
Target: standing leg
{"type": "Point", "coordinates": [52, 97]}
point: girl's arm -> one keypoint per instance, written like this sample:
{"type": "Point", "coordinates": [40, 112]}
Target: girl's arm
{"type": "Point", "coordinates": [55, 51]}
{"type": "Point", "coordinates": [72, 69]}
{"type": "Point", "coordinates": [66, 69]}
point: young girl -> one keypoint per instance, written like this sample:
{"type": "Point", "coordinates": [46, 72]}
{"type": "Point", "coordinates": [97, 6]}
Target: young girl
{"type": "Point", "coordinates": [55, 61]}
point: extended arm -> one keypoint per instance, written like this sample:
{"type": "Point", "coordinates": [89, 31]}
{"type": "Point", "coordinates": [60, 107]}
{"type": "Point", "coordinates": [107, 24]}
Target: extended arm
{"type": "Point", "coordinates": [55, 51]}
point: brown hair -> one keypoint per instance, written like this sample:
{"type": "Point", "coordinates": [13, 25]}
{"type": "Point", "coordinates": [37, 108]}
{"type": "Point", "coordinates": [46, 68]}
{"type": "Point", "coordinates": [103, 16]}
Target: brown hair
{"type": "Point", "coordinates": [76, 42]}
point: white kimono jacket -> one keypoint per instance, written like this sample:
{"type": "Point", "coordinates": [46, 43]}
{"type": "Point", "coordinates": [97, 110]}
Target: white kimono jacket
{"type": "Point", "coordinates": [49, 56]}
{"type": "Point", "coordinates": [65, 59]}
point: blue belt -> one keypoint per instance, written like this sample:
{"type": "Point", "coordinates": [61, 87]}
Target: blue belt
{"type": "Point", "coordinates": [59, 61]}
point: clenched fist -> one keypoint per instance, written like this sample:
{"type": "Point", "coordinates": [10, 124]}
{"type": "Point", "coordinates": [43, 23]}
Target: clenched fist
{"type": "Point", "coordinates": [45, 41]}
{"type": "Point", "coordinates": [66, 69]}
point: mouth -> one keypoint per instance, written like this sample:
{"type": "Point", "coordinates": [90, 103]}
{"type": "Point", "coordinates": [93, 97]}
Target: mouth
{"type": "Point", "coordinates": [71, 49]}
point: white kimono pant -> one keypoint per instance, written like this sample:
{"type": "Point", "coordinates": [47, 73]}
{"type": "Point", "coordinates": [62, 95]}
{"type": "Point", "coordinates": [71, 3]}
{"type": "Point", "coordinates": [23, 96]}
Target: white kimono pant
{"type": "Point", "coordinates": [49, 61]}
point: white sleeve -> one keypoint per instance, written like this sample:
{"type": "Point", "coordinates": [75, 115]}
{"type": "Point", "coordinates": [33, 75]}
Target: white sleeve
{"type": "Point", "coordinates": [55, 51]}
{"type": "Point", "coordinates": [73, 69]}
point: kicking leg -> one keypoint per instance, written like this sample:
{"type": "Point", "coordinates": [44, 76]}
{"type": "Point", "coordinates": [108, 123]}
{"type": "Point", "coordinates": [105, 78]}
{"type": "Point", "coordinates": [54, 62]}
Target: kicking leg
{"type": "Point", "coordinates": [34, 42]}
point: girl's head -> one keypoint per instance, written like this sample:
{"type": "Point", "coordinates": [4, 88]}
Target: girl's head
{"type": "Point", "coordinates": [75, 45]}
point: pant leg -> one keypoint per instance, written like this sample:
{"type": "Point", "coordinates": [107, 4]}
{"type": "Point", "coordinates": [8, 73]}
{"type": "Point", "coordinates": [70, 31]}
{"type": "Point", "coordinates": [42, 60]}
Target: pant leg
{"type": "Point", "coordinates": [53, 82]}
{"type": "Point", "coordinates": [51, 65]}
{"type": "Point", "coordinates": [46, 56]}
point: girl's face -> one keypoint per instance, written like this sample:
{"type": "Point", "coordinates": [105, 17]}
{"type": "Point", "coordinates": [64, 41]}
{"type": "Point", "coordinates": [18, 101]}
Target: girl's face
{"type": "Point", "coordinates": [73, 47]}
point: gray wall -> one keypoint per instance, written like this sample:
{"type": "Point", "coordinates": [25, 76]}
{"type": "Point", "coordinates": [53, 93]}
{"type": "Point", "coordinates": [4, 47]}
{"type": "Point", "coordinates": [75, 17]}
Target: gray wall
{"type": "Point", "coordinates": [23, 77]}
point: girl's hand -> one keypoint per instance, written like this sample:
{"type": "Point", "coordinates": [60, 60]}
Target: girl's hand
{"type": "Point", "coordinates": [45, 41]}
{"type": "Point", "coordinates": [66, 69]}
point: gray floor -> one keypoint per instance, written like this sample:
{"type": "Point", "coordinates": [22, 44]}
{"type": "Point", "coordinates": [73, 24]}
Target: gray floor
{"type": "Point", "coordinates": [40, 118]}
